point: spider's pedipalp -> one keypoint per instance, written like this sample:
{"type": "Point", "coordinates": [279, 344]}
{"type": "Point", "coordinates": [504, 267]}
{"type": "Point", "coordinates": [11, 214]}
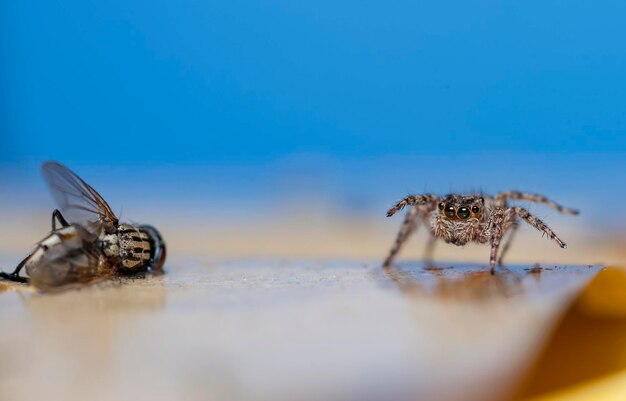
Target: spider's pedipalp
{"type": "Point", "coordinates": [412, 200]}
{"type": "Point", "coordinates": [516, 195]}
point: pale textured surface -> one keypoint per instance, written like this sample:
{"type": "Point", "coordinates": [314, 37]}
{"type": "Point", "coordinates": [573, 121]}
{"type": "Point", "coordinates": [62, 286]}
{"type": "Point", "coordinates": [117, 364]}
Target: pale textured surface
{"type": "Point", "coordinates": [263, 330]}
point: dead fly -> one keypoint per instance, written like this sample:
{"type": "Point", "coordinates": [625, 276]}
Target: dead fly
{"type": "Point", "coordinates": [459, 219]}
{"type": "Point", "coordinates": [90, 243]}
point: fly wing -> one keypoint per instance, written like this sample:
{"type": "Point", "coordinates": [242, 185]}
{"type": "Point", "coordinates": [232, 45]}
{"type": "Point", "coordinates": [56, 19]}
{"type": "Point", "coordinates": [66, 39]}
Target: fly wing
{"type": "Point", "coordinates": [77, 200]}
{"type": "Point", "coordinates": [75, 259]}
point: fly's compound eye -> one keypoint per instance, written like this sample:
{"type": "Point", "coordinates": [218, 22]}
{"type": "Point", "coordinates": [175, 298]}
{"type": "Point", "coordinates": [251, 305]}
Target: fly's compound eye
{"type": "Point", "coordinates": [442, 205]}
{"type": "Point", "coordinates": [475, 209]}
{"type": "Point", "coordinates": [463, 213]}
{"type": "Point", "coordinates": [450, 212]}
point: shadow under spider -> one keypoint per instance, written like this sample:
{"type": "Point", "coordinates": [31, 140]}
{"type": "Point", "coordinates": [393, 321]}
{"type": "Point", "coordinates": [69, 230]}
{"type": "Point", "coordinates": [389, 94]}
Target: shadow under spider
{"type": "Point", "coordinates": [457, 282]}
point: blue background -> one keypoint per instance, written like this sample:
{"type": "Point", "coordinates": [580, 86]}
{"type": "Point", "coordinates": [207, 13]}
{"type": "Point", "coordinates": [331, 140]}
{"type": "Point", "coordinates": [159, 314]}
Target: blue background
{"type": "Point", "coordinates": [355, 102]}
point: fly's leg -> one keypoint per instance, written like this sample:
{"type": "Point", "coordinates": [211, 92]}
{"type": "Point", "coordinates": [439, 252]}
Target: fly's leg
{"type": "Point", "coordinates": [534, 198]}
{"type": "Point", "coordinates": [15, 276]}
{"type": "Point", "coordinates": [507, 244]}
{"type": "Point", "coordinates": [408, 227]}
{"type": "Point", "coordinates": [57, 216]}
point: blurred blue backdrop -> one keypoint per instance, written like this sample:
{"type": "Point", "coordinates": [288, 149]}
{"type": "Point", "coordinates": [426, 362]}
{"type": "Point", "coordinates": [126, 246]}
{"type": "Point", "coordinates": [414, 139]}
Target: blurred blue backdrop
{"type": "Point", "coordinates": [356, 101]}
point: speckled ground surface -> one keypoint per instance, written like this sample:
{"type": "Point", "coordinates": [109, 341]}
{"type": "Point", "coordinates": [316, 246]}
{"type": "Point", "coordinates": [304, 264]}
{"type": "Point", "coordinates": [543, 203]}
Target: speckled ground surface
{"type": "Point", "coordinates": [284, 330]}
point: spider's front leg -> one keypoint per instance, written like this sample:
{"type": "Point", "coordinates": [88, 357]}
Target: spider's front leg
{"type": "Point", "coordinates": [410, 221]}
{"type": "Point", "coordinates": [507, 242]}
{"type": "Point", "coordinates": [495, 244]}
{"type": "Point", "coordinates": [430, 247]}
{"type": "Point", "coordinates": [496, 230]}
{"type": "Point", "coordinates": [538, 224]}
{"type": "Point", "coordinates": [412, 200]}
{"type": "Point", "coordinates": [516, 195]}
{"type": "Point", "coordinates": [408, 227]}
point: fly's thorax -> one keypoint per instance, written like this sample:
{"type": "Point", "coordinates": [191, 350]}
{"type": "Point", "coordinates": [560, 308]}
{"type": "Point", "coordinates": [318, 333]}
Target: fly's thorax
{"type": "Point", "coordinates": [110, 245]}
{"type": "Point", "coordinates": [133, 247]}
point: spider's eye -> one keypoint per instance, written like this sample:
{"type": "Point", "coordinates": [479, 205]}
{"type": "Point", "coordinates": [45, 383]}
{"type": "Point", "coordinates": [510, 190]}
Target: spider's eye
{"type": "Point", "coordinates": [450, 212]}
{"type": "Point", "coordinates": [475, 209]}
{"type": "Point", "coordinates": [463, 213]}
{"type": "Point", "coordinates": [442, 205]}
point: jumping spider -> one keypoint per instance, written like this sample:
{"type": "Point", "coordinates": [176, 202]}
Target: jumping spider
{"type": "Point", "coordinates": [459, 219]}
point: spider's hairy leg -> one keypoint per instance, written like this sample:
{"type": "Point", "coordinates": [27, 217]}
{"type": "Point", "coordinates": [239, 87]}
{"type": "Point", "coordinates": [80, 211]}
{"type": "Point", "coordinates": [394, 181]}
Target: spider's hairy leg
{"type": "Point", "coordinates": [539, 225]}
{"type": "Point", "coordinates": [496, 231]}
{"type": "Point", "coordinates": [516, 195]}
{"type": "Point", "coordinates": [412, 200]}
{"type": "Point", "coordinates": [430, 247]}
{"type": "Point", "coordinates": [509, 239]}
{"type": "Point", "coordinates": [408, 227]}
{"type": "Point", "coordinates": [495, 244]}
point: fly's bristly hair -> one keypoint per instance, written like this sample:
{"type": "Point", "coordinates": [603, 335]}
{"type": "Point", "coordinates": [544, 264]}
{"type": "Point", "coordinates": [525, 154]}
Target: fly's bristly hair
{"type": "Point", "coordinates": [478, 218]}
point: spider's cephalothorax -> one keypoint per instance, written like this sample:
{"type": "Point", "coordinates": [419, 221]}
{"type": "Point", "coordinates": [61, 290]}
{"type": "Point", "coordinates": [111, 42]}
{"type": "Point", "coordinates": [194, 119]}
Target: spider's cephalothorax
{"type": "Point", "coordinates": [91, 244]}
{"type": "Point", "coordinates": [460, 219]}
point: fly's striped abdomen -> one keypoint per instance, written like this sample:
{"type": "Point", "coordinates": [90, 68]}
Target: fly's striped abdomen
{"type": "Point", "coordinates": [135, 250]}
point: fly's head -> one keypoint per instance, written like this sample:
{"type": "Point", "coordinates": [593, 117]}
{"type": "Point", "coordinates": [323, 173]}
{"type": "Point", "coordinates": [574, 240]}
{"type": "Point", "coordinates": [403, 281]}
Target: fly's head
{"type": "Point", "coordinates": [110, 246]}
{"type": "Point", "coordinates": [158, 250]}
